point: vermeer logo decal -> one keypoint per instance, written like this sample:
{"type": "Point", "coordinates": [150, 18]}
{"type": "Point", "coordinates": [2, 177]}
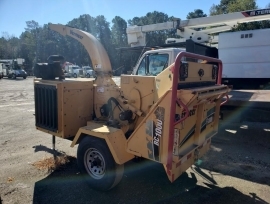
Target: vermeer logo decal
{"type": "Point", "coordinates": [76, 34]}
{"type": "Point", "coordinates": [154, 129]}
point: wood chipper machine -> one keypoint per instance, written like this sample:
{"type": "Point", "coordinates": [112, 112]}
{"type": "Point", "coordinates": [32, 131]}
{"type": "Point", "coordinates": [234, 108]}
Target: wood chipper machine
{"type": "Point", "coordinates": [169, 118]}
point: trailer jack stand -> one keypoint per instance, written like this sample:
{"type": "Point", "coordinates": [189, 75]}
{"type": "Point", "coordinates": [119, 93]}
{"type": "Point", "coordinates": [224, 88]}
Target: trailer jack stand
{"type": "Point", "coordinates": [53, 146]}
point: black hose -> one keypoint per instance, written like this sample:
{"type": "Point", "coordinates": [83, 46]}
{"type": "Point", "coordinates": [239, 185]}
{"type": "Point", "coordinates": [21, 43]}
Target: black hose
{"type": "Point", "coordinates": [110, 100]}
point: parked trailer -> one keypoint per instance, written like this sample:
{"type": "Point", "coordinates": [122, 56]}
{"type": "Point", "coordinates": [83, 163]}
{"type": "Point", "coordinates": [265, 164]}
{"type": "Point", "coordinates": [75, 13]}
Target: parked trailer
{"type": "Point", "coordinates": [245, 57]}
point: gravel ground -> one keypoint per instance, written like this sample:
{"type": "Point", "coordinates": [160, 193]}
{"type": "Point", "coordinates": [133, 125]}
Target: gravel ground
{"type": "Point", "coordinates": [235, 170]}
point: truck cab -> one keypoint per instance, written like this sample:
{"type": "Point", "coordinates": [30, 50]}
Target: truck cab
{"type": "Point", "coordinates": [73, 71]}
{"type": "Point", "coordinates": [155, 61]}
{"type": "Point", "coordinates": [88, 71]}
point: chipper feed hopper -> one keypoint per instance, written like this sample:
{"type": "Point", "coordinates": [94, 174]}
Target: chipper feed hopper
{"type": "Point", "coordinates": [169, 118]}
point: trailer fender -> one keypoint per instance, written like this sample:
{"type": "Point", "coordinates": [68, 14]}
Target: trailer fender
{"type": "Point", "coordinates": [114, 138]}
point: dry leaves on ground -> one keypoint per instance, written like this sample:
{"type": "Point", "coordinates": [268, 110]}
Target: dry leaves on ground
{"type": "Point", "coordinates": [52, 163]}
{"type": "Point", "coordinates": [10, 179]}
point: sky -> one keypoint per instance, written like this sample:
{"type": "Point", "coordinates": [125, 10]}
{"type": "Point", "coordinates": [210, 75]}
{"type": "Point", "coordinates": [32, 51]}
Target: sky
{"type": "Point", "coordinates": [14, 13]}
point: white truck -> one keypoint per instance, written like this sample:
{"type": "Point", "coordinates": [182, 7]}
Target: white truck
{"type": "Point", "coordinates": [88, 71]}
{"type": "Point", "coordinates": [155, 61]}
{"type": "Point", "coordinates": [245, 57]}
{"type": "Point", "coordinates": [73, 71]}
{"type": "Point", "coordinates": [244, 53]}
{"type": "Point", "coordinates": [13, 68]}
{"type": "Point", "coordinates": [2, 67]}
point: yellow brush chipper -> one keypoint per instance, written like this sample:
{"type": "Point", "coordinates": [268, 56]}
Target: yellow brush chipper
{"type": "Point", "coordinates": [169, 118]}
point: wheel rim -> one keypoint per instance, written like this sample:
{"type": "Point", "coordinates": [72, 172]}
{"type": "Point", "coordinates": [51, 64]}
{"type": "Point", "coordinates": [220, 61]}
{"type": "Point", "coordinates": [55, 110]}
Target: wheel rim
{"type": "Point", "coordinates": [94, 163]}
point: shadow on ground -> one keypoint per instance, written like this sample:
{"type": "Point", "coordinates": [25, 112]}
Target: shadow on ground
{"type": "Point", "coordinates": [143, 182]}
{"type": "Point", "coordinates": [17, 79]}
{"type": "Point", "coordinates": [42, 148]}
{"type": "Point", "coordinates": [240, 150]}
{"type": "Point", "coordinates": [214, 194]}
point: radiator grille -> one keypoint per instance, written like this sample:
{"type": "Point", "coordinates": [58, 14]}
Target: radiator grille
{"type": "Point", "coordinates": [46, 107]}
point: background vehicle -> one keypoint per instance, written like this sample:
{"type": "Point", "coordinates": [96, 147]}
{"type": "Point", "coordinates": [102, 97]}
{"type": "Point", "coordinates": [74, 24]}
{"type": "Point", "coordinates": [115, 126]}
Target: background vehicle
{"type": "Point", "coordinates": [16, 72]}
{"type": "Point", "coordinates": [168, 118]}
{"type": "Point", "coordinates": [88, 71]}
{"type": "Point", "coordinates": [245, 58]}
{"type": "Point", "coordinates": [244, 53]}
{"type": "Point", "coordinates": [14, 68]}
{"type": "Point", "coordinates": [74, 71]}
{"type": "Point", "coordinates": [4, 69]}
{"type": "Point", "coordinates": [153, 62]}
{"type": "Point", "coordinates": [1, 70]}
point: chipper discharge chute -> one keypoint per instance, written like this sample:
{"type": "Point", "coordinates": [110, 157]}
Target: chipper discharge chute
{"type": "Point", "coordinates": [169, 118]}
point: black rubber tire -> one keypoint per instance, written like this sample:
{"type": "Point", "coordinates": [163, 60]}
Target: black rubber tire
{"type": "Point", "coordinates": [75, 75]}
{"type": "Point", "coordinates": [24, 77]}
{"type": "Point", "coordinates": [88, 75]}
{"type": "Point", "coordinates": [13, 76]}
{"type": "Point", "coordinates": [113, 172]}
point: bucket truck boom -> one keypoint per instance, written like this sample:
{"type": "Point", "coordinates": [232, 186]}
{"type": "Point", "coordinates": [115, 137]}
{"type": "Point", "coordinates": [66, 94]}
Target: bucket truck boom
{"type": "Point", "coordinates": [197, 29]}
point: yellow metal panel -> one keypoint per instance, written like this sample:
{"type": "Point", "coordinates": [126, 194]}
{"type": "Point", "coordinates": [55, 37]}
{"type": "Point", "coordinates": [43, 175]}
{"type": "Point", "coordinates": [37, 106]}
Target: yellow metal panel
{"type": "Point", "coordinates": [185, 130]}
{"type": "Point", "coordinates": [192, 131]}
{"type": "Point", "coordinates": [216, 116]}
{"type": "Point", "coordinates": [163, 82]}
{"type": "Point", "coordinates": [74, 104]}
{"type": "Point", "coordinates": [77, 105]}
{"type": "Point", "coordinates": [48, 82]}
{"type": "Point", "coordinates": [186, 96]}
{"type": "Point", "coordinates": [135, 98]}
{"type": "Point", "coordinates": [198, 139]}
{"type": "Point", "coordinates": [104, 89]}
{"type": "Point", "coordinates": [140, 142]}
{"type": "Point", "coordinates": [77, 110]}
{"type": "Point", "coordinates": [114, 138]}
{"type": "Point", "coordinates": [193, 70]}
{"type": "Point", "coordinates": [145, 86]}
{"type": "Point", "coordinates": [187, 161]}
{"type": "Point", "coordinates": [59, 134]}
